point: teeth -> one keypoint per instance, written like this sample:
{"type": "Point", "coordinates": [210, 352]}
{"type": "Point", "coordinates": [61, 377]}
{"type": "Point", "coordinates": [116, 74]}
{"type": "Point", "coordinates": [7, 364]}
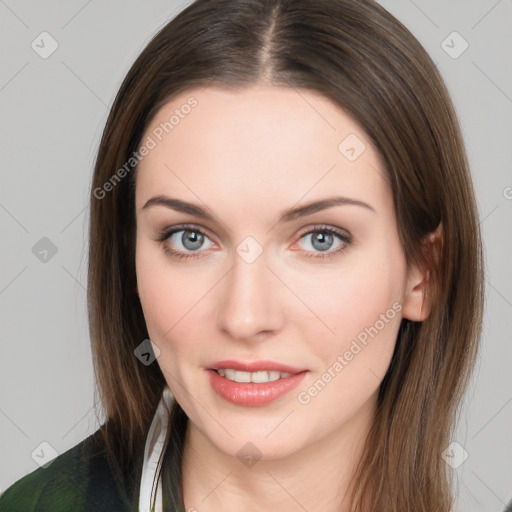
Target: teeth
{"type": "Point", "coordinates": [257, 377]}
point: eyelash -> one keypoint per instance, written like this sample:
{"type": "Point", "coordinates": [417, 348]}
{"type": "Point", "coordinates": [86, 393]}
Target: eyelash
{"type": "Point", "coordinates": [165, 234]}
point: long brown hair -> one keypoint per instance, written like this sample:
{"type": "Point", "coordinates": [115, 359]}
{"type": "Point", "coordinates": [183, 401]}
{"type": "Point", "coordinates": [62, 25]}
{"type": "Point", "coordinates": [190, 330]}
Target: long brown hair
{"type": "Point", "coordinates": [359, 56]}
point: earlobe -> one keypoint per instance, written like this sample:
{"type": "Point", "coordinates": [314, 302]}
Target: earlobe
{"type": "Point", "coordinates": [417, 300]}
{"type": "Point", "coordinates": [415, 306]}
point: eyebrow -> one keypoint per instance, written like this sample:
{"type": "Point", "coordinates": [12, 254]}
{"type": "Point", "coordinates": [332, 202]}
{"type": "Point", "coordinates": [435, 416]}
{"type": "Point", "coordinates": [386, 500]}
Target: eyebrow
{"type": "Point", "coordinates": [286, 216]}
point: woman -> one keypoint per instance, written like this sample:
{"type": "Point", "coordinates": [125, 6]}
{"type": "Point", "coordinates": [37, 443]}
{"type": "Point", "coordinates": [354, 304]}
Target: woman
{"type": "Point", "coordinates": [281, 203]}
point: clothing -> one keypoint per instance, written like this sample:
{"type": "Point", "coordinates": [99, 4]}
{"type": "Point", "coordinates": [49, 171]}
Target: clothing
{"type": "Point", "coordinates": [150, 492]}
{"type": "Point", "coordinates": [82, 479]}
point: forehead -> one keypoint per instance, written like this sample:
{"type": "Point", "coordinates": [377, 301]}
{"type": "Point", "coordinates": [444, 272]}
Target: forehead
{"type": "Point", "coordinates": [256, 142]}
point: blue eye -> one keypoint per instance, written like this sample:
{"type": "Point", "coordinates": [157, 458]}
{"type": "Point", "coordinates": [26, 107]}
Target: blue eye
{"type": "Point", "coordinates": [322, 239]}
{"type": "Point", "coordinates": [190, 239]}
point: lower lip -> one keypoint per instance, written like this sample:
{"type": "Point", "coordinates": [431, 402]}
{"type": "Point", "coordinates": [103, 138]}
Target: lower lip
{"type": "Point", "coordinates": [251, 394]}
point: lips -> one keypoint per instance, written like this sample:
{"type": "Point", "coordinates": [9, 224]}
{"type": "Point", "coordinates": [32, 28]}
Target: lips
{"type": "Point", "coordinates": [253, 394]}
{"type": "Point", "coordinates": [256, 366]}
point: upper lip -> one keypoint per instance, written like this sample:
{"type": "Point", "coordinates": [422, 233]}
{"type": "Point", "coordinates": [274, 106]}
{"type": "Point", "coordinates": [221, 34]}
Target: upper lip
{"type": "Point", "coordinates": [256, 366]}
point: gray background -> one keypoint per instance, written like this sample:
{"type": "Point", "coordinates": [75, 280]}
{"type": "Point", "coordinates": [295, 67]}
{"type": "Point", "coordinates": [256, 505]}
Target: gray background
{"type": "Point", "coordinates": [52, 113]}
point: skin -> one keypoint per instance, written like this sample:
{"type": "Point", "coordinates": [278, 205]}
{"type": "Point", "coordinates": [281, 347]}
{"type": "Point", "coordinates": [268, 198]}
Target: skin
{"type": "Point", "coordinates": [247, 156]}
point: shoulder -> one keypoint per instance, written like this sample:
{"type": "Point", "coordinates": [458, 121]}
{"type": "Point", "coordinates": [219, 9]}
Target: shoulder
{"type": "Point", "coordinates": [58, 484]}
{"type": "Point", "coordinates": [78, 480]}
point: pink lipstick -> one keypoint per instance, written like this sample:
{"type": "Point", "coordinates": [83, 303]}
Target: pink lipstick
{"type": "Point", "coordinates": [253, 384]}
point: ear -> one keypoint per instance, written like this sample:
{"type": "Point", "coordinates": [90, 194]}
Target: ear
{"type": "Point", "coordinates": [417, 301]}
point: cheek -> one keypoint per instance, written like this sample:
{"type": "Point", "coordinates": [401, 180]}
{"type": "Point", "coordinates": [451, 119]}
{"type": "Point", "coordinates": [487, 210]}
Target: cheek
{"type": "Point", "coordinates": [351, 297]}
{"type": "Point", "coordinates": [173, 299]}
{"type": "Point", "coordinates": [361, 303]}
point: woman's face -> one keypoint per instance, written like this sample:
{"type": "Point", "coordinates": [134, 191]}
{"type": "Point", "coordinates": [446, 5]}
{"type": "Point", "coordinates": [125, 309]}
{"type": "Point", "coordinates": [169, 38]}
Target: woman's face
{"type": "Point", "coordinates": [263, 275]}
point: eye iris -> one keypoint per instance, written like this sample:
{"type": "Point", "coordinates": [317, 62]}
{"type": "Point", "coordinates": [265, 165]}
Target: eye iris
{"type": "Point", "coordinates": [325, 240]}
{"type": "Point", "coordinates": [196, 240]}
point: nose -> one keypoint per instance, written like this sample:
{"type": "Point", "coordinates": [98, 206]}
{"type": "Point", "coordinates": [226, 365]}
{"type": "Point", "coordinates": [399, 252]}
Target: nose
{"type": "Point", "coordinates": [250, 307]}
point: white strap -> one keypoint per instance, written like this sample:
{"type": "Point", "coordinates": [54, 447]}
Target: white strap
{"type": "Point", "coordinates": [150, 495]}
